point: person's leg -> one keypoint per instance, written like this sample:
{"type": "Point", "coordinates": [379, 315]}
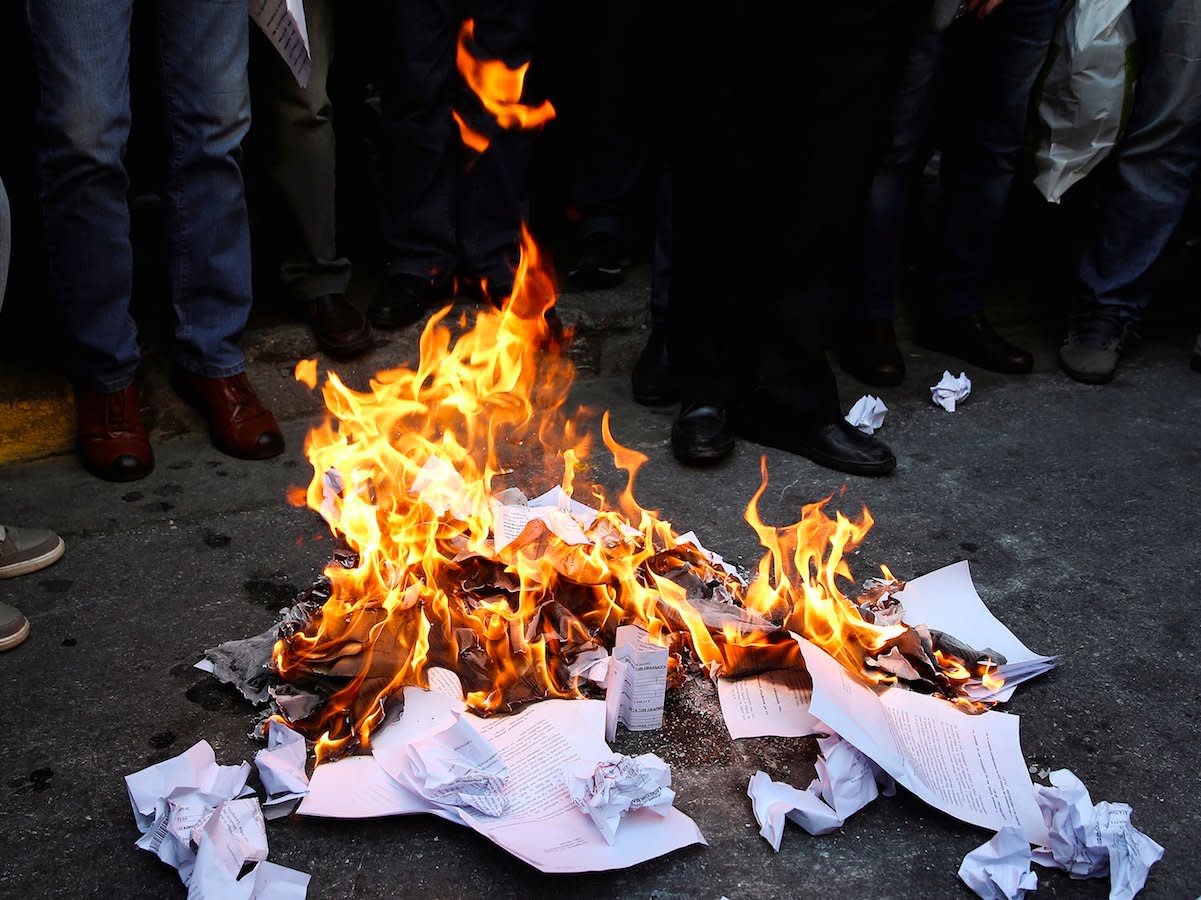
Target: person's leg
{"type": "Point", "coordinates": [652, 380]}
{"type": "Point", "coordinates": [81, 50]}
{"type": "Point", "coordinates": [867, 345]}
{"type": "Point", "coordinates": [294, 133]}
{"type": "Point", "coordinates": [994, 63]}
{"type": "Point", "coordinates": [1148, 187]}
{"type": "Point", "coordinates": [203, 49]}
{"type": "Point", "coordinates": [421, 161]}
{"type": "Point", "coordinates": [6, 240]}
{"type": "Point", "coordinates": [493, 193]}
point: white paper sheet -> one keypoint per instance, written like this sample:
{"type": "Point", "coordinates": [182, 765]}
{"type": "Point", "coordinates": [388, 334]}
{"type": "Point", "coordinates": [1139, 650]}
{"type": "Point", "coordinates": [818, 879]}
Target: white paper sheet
{"type": "Point", "coordinates": [284, 24]}
{"type": "Point", "coordinates": [440, 486]}
{"type": "Point", "coordinates": [282, 764]}
{"type": "Point", "coordinates": [1000, 868]}
{"type": "Point", "coordinates": [773, 801]}
{"type": "Point", "coordinates": [637, 682]}
{"type": "Point", "coordinates": [357, 787]}
{"type": "Point", "coordinates": [946, 599]}
{"type": "Point", "coordinates": [1086, 841]}
{"type": "Point", "coordinates": [543, 826]}
{"type": "Point", "coordinates": [867, 414]}
{"type": "Point", "coordinates": [951, 390]}
{"type": "Point", "coordinates": [970, 767]}
{"type": "Point", "coordinates": [458, 768]}
{"type": "Point", "coordinates": [770, 703]}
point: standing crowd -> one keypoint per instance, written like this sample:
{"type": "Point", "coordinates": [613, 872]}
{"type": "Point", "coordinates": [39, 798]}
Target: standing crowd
{"type": "Point", "coordinates": [785, 147]}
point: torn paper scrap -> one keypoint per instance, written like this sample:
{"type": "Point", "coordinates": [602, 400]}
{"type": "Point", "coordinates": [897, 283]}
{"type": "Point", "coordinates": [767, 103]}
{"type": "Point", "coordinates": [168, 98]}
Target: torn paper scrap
{"type": "Point", "coordinates": [557, 498]}
{"type": "Point", "coordinates": [846, 779]}
{"type": "Point", "coordinates": [970, 767]}
{"type": "Point", "coordinates": [232, 838]}
{"type": "Point", "coordinates": [282, 765]}
{"type": "Point", "coordinates": [510, 513]}
{"type": "Point", "coordinates": [1000, 868]}
{"type": "Point", "coordinates": [195, 770]}
{"type": "Point", "coordinates": [283, 22]}
{"type": "Point", "coordinates": [773, 801]}
{"type": "Point", "coordinates": [1086, 841]}
{"type": "Point", "coordinates": [610, 788]}
{"type": "Point", "coordinates": [459, 768]}
{"type": "Point", "coordinates": [951, 391]}
{"type": "Point", "coordinates": [947, 600]}
{"type": "Point", "coordinates": [867, 414]}
{"type": "Point", "coordinates": [637, 682]}
{"type": "Point", "coordinates": [715, 558]}
{"type": "Point", "coordinates": [772, 703]}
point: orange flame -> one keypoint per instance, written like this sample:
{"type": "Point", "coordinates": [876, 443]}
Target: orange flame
{"type": "Point", "coordinates": [411, 475]}
{"type": "Point", "coordinates": [499, 90]}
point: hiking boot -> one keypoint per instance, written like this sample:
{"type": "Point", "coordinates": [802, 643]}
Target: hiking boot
{"type": "Point", "coordinates": [25, 550]}
{"type": "Point", "coordinates": [1093, 346]}
{"type": "Point", "coordinates": [14, 627]}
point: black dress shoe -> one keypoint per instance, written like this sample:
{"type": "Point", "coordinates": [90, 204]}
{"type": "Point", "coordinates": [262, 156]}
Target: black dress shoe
{"type": "Point", "coordinates": [652, 380]}
{"type": "Point", "coordinates": [837, 445]}
{"type": "Point", "coordinates": [701, 434]}
{"type": "Point", "coordinates": [340, 328]}
{"type": "Point", "coordinates": [403, 299]}
{"type": "Point", "coordinates": [971, 338]}
{"type": "Point", "coordinates": [869, 352]}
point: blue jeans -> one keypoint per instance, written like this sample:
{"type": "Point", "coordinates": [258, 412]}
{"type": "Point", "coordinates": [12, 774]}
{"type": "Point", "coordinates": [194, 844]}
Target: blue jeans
{"type": "Point", "coordinates": [1150, 176]}
{"type": "Point", "coordinates": [967, 89]}
{"type": "Point", "coordinates": [82, 48]}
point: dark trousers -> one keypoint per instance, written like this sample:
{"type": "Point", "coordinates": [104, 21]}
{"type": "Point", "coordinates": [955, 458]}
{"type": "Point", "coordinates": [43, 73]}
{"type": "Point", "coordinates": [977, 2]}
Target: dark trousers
{"type": "Point", "coordinates": [967, 89]}
{"type": "Point", "coordinates": [777, 114]}
{"type": "Point", "coordinates": [82, 54]}
{"type": "Point", "coordinates": [447, 208]}
{"type": "Point", "coordinates": [1151, 173]}
{"type": "Point", "coordinates": [293, 138]}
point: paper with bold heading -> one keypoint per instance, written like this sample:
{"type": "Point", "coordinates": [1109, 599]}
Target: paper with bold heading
{"type": "Point", "coordinates": [637, 682]}
{"type": "Point", "coordinates": [999, 869]}
{"type": "Point", "coordinates": [1087, 841]}
{"type": "Point", "coordinates": [867, 414]}
{"type": "Point", "coordinates": [284, 24]}
{"type": "Point", "coordinates": [768, 704]}
{"type": "Point", "coordinates": [946, 599]}
{"type": "Point", "coordinates": [951, 390]}
{"type": "Point", "coordinates": [970, 767]}
{"type": "Point", "coordinates": [611, 788]}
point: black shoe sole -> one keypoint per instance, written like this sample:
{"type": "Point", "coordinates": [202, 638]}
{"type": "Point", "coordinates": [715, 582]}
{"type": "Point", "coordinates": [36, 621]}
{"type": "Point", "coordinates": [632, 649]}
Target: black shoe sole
{"type": "Point", "coordinates": [1086, 377]}
{"type": "Point", "coordinates": [351, 350]}
{"type": "Point", "coordinates": [655, 396]}
{"type": "Point", "coordinates": [594, 279]}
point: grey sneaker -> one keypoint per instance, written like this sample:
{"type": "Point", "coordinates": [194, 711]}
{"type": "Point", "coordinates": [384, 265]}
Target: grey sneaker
{"type": "Point", "coordinates": [14, 627]}
{"type": "Point", "coordinates": [25, 550]}
{"type": "Point", "coordinates": [1094, 344]}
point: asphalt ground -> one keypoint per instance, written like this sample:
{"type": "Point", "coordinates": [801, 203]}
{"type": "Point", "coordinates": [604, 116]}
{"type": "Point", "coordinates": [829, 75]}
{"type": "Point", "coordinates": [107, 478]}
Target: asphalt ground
{"type": "Point", "coordinates": [1076, 506]}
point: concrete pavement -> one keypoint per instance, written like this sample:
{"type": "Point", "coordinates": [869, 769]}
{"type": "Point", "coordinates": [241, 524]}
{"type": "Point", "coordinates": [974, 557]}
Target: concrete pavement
{"type": "Point", "coordinates": [1077, 507]}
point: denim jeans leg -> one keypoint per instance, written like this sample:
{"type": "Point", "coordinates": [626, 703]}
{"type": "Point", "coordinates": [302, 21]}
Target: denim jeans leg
{"type": "Point", "coordinates": [995, 63]}
{"type": "Point", "coordinates": [1153, 164]}
{"type": "Point", "coordinates": [81, 50]}
{"type": "Point", "coordinates": [204, 46]}
{"type": "Point", "coordinates": [898, 170]}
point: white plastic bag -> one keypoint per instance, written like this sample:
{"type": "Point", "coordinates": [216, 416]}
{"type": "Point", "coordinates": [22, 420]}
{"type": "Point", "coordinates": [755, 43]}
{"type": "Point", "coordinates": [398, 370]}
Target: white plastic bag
{"type": "Point", "coordinates": [1089, 83]}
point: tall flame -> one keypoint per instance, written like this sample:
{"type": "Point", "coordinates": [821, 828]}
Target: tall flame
{"type": "Point", "coordinates": [411, 475]}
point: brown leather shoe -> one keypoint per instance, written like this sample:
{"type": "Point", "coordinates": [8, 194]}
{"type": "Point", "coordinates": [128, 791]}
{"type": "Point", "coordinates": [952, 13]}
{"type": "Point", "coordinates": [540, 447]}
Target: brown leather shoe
{"type": "Point", "coordinates": [238, 423]}
{"type": "Point", "coordinates": [112, 438]}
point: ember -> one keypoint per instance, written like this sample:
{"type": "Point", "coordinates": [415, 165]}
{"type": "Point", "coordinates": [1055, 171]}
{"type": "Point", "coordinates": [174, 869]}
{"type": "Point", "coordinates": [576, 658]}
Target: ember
{"type": "Point", "coordinates": [450, 565]}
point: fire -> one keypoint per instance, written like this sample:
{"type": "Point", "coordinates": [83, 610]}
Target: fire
{"type": "Point", "coordinates": [499, 90]}
{"type": "Point", "coordinates": [415, 476]}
